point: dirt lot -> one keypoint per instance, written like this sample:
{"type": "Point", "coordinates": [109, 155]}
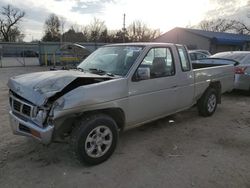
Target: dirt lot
{"type": "Point", "coordinates": [192, 151]}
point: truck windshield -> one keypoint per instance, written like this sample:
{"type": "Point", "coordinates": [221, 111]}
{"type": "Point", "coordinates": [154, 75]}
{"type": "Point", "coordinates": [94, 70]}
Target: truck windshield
{"type": "Point", "coordinates": [113, 60]}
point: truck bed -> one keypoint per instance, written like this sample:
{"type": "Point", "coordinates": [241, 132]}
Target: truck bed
{"type": "Point", "coordinates": [212, 62]}
{"type": "Point", "coordinates": [204, 65]}
{"type": "Point", "coordinates": [206, 73]}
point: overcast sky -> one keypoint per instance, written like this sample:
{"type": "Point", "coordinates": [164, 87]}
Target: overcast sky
{"type": "Point", "coordinates": [162, 14]}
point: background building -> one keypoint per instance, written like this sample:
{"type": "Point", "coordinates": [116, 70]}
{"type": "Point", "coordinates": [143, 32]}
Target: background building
{"type": "Point", "coordinates": [207, 40]}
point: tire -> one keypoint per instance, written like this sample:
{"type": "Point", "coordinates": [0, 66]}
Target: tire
{"type": "Point", "coordinates": [207, 104]}
{"type": "Point", "coordinates": [94, 140]}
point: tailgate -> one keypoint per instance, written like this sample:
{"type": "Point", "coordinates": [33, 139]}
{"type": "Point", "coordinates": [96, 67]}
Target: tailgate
{"type": "Point", "coordinates": [204, 76]}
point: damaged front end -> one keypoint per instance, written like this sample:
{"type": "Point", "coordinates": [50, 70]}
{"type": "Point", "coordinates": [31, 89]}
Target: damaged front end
{"type": "Point", "coordinates": [28, 119]}
{"type": "Point", "coordinates": [33, 97]}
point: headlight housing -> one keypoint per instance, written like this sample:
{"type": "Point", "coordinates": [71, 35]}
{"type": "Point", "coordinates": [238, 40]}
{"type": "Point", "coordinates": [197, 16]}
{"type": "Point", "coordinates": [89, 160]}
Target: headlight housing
{"type": "Point", "coordinates": [40, 116]}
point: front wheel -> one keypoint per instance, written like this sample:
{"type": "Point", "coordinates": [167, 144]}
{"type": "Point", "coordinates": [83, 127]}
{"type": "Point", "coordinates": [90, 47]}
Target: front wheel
{"type": "Point", "coordinates": [207, 104]}
{"type": "Point", "coordinates": [94, 139]}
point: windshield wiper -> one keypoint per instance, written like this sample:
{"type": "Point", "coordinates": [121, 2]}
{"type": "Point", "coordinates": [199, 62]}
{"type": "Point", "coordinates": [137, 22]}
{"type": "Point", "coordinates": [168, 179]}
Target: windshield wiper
{"type": "Point", "coordinates": [100, 72]}
{"type": "Point", "coordinates": [80, 69]}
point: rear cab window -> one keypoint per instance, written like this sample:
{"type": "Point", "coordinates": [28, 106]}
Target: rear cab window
{"type": "Point", "coordinates": [184, 60]}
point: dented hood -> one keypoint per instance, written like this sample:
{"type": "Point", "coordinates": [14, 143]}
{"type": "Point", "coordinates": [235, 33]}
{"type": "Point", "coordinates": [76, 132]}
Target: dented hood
{"type": "Point", "coordinates": [38, 87]}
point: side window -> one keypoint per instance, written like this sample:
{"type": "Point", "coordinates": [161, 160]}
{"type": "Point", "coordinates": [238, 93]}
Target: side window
{"type": "Point", "coordinates": [185, 64]}
{"type": "Point", "coordinates": [192, 56]}
{"type": "Point", "coordinates": [159, 62]}
{"type": "Point", "coordinates": [200, 56]}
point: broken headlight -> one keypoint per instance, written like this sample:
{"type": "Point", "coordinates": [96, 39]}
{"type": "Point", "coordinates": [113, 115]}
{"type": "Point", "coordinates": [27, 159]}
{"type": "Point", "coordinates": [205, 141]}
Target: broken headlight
{"type": "Point", "coordinates": [40, 116]}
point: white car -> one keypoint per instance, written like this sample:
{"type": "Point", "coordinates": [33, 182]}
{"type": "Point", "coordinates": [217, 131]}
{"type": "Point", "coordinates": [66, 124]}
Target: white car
{"type": "Point", "coordinates": [196, 55]}
{"type": "Point", "coordinates": [242, 70]}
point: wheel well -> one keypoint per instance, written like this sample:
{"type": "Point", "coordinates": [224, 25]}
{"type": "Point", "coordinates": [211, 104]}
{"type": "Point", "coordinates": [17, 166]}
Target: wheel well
{"type": "Point", "coordinates": [217, 86]}
{"type": "Point", "coordinates": [67, 124]}
{"type": "Point", "coordinates": [116, 113]}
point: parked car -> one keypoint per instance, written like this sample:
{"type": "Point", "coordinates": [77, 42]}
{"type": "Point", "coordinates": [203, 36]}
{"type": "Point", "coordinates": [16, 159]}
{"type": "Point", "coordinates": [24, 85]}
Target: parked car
{"type": "Point", "coordinates": [115, 88]}
{"type": "Point", "coordinates": [201, 51]}
{"type": "Point", "coordinates": [196, 55]}
{"type": "Point", "coordinates": [29, 53]}
{"type": "Point", "coordinates": [242, 68]}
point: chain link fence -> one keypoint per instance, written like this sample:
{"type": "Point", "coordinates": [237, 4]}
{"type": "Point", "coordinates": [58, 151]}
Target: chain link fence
{"type": "Point", "coordinates": [19, 54]}
{"type": "Point", "coordinates": [41, 53]}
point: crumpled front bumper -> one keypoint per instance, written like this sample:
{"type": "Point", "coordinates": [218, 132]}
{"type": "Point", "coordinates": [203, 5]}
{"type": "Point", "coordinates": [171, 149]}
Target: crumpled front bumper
{"type": "Point", "coordinates": [26, 128]}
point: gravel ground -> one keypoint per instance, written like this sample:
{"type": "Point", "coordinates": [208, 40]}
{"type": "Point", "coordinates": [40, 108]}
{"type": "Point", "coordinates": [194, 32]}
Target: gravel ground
{"type": "Point", "coordinates": [183, 150]}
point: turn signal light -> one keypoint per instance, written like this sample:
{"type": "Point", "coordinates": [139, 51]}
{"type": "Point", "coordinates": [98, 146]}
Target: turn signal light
{"type": "Point", "coordinates": [35, 133]}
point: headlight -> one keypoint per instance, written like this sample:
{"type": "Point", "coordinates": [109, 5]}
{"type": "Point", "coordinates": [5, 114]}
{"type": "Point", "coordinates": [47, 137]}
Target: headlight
{"type": "Point", "coordinates": [40, 116]}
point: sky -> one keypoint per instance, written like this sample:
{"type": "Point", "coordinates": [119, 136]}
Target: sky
{"type": "Point", "coordinates": [157, 14]}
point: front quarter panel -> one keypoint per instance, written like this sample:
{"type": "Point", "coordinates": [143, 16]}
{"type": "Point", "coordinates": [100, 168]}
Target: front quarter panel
{"type": "Point", "coordinates": [108, 94]}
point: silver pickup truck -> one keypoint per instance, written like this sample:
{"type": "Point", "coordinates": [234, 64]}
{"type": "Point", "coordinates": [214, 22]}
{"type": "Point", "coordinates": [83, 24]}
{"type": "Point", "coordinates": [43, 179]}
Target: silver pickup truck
{"type": "Point", "coordinates": [117, 87]}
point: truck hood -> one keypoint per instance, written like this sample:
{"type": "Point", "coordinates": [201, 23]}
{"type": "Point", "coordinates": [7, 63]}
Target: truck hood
{"type": "Point", "coordinates": [40, 86]}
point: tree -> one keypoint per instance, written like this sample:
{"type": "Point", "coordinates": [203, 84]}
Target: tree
{"type": "Point", "coordinates": [73, 35]}
{"type": "Point", "coordinates": [52, 29]}
{"type": "Point", "coordinates": [119, 36]}
{"type": "Point", "coordinates": [16, 35]}
{"type": "Point", "coordinates": [140, 32]}
{"type": "Point", "coordinates": [223, 25]}
{"type": "Point", "coordinates": [241, 28]}
{"type": "Point", "coordinates": [217, 25]}
{"type": "Point", "coordinates": [10, 17]}
{"type": "Point", "coordinates": [97, 30]}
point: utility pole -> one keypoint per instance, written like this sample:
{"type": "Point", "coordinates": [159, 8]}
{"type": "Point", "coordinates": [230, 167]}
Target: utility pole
{"type": "Point", "coordinates": [124, 28]}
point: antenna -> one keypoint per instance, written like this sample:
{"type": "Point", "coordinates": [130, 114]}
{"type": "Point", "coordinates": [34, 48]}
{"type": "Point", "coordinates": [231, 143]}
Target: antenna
{"type": "Point", "coordinates": [124, 21]}
{"type": "Point", "coordinates": [124, 27]}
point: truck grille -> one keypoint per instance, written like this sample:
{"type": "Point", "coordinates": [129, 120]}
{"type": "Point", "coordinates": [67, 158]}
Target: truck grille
{"type": "Point", "coordinates": [17, 105]}
{"type": "Point", "coordinates": [21, 107]}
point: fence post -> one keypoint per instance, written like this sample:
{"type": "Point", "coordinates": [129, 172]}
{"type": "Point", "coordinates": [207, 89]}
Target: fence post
{"type": "Point", "coordinates": [45, 59]}
{"type": "Point", "coordinates": [1, 63]}
{"type": "Point", "coordinates": [54, 59]}
{"type": "Point", "coordinates": [40, 53]}
{"type": "Point", "coordinates": [1, 56]}
{"type": "Point", "coordinates": [23, 57]}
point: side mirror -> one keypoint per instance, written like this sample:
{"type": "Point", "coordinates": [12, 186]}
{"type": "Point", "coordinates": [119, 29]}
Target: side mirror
{"type": "Point", "coordinates": [142, 73]}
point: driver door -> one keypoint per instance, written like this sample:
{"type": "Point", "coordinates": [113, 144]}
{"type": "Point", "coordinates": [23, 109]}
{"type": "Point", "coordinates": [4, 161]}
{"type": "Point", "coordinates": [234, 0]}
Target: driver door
{"type": "Point", "coordinates": [155, 95]}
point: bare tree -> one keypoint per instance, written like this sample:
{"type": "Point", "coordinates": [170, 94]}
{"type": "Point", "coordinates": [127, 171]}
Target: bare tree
{"type": "Point", "coordinates": [223, 25]}
{"type": "Point", "coordinates": [97, 30]}
{"type": "Point", "coordinates": [52, 28]}
{"type": "Point", "coordinates": [241, 28]}
{"type": "Point", "coordinates": [9, 20]}
{"type": "Point", "coordinates": [85, 31]}
{"type": "Point", "coordinates": [218, 25]}
{"type": "Point", "coordinates": [140, 32]}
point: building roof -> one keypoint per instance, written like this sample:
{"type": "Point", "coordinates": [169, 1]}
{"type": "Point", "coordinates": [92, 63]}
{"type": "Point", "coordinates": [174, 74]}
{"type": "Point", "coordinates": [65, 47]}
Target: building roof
{"type": "Point", "coordinates": [219, 37]}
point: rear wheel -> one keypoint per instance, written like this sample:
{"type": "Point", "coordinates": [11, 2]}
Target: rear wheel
{"type": "Point", "coordinates": [207, 104]}
{"type": "Point", "coordinates": [94, 139]}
